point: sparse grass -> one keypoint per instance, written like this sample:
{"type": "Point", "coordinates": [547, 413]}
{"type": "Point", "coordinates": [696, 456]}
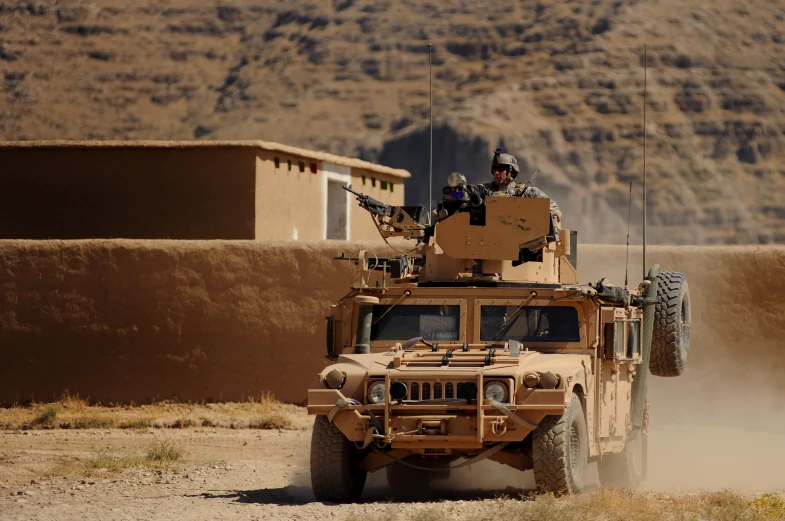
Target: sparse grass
{"type": "Point", "coordinates": [137, 423]}
{"type": "Point", "coordinates": [769, 505]}
{"type": "Point", "coordinates": [160, 455]}
{"type": "Point", "coordinates": [72, 402]}
{"type": "Point", "coordinates": [46, 414]}
{"type": "Point", "coordinates": [621, 505]}
{"type": "Point", "coordinates": [273, 420]}
{"type": "Point", "coordinates": [71, 412]}
{"type": "Point", "coordinates": [164, 453]}
{"type": "Point", "coordinates": [90, 421]}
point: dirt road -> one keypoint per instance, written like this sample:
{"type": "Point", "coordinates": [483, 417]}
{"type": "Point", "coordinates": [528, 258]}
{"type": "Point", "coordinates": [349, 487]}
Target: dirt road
{"type": "Point", "coordinates": [226, 474]}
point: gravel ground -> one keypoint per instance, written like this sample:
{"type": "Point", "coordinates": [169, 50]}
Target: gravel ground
{"type": "Point", "coordinates": [227, 474]}
{"type": "Point", "coordinates": [258, 474]}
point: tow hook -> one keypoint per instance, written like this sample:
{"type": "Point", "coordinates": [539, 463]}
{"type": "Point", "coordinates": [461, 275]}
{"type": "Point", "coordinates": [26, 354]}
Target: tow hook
{"type": "Point", "coordinates": [499, 427]}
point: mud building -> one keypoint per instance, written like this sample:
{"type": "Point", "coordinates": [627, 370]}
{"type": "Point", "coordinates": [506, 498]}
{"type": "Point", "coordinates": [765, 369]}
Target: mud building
{"type": "Point", "coordinates": [186, 190]}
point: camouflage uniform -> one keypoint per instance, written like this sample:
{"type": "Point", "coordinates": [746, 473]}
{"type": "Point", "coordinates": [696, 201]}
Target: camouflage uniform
{"type": "Point", "coordinates": [513, 189]}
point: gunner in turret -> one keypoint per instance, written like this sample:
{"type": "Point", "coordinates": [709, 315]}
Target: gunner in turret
{"type": "Point", "coordinates": [505, 169]}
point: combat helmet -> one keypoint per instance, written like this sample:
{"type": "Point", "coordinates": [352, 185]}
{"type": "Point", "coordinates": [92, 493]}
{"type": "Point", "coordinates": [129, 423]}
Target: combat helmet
{"type": "Point", "coordinates": [500, 158]}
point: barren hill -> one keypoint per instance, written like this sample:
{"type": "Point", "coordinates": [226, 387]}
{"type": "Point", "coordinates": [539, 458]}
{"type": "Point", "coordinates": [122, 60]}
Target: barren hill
{"type": "Point", "coordinates": [559, 84]}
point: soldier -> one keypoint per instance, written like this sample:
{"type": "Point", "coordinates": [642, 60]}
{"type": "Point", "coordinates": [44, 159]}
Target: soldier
{"type": "Point", "coordinates": [505, 169]}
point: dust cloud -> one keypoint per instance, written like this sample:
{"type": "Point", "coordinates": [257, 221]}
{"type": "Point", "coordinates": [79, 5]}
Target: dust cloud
{"type": "Point", "coordinates": [720, 424]}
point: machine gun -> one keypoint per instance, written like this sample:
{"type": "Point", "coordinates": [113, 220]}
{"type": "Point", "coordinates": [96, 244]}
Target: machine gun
{"type": "Point", "coordinates": [367, 202]}
{"type": "Point", "coordinates": [393, 221]}
{"type": "Point", "coordinates": [397, 267]}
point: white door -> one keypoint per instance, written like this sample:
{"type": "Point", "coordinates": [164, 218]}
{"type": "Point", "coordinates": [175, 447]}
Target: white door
{"type": "Point", "coordinates": [337, 201]}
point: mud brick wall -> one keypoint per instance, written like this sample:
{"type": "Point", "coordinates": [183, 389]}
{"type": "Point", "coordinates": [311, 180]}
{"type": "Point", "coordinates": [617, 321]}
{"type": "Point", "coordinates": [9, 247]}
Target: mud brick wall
{"type": "Point", "coordinates": [127, 192]}
{"type": "Point", "coordinates": [132, 320]}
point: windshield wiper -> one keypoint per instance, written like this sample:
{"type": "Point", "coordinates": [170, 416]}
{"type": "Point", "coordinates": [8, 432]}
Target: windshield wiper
{"type": "Point", "coordinates": [416, 340]}
{"type": "Point", "coordinates": [511, 320]}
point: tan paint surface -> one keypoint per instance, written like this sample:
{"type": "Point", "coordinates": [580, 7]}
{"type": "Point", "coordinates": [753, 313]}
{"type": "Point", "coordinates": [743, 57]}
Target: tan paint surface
{"type": "Point", "coordinates": [139, 320]}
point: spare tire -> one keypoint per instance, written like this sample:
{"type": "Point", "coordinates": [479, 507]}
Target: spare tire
{"type": "Point", "coordinates": [670, 342]}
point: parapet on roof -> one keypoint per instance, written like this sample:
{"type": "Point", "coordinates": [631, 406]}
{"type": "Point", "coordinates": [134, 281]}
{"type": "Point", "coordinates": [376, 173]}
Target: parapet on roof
{"type": "Point", "coordinates": [265, 145]}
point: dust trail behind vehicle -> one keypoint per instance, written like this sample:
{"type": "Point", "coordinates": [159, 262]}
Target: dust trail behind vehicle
{"type": "Point", "coordinates": [721, 423]}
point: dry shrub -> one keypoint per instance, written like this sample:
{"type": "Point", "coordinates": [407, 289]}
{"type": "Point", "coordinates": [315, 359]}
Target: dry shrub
{"type": "Point", "coordinates": [274, 420]}
{"type": "Point", "coordinates": [72, 402]}
{"type": "Point", "coordinates": [71, 412]}
{"type": "Point", "coordinates": [770, 506]}
{"type": "Point", "coordinates": [137, 423]}
{"type": "Point", "coordinates": [46, 414]}
{"type": "Point", "coordinates": [111, 461]}
{"type": "Point", "coordinates": [264, 399]}
{"type": "Point", "coordinates": [159, 455]}
{"type": "Point", "coordinates": [181, 423]}
{"type": "Point", "coordinates": [164, 453]}
{"type": "Point", "coordinates": [90, 421]}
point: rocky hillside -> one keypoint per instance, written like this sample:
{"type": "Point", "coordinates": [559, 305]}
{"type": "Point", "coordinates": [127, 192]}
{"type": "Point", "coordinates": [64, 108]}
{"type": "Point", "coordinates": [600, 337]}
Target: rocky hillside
{"type": "Point", "coordinates": [559, 84]}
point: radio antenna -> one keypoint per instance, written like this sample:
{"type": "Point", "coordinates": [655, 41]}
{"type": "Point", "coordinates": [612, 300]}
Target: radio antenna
{"type": "Point", "coordinates": [430, 152]}
{"type": "Point", "coordinates": [629, 215]}
{"type": "Point", "coordinates": [645, 69]}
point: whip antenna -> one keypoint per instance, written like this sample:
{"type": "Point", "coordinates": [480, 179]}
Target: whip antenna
{"type": "Point", "coordinates": [645, 68]}
{"type": "Point", "coordinates": [430, 152]}
{"type": "Point", "coordinates": [629, 215]}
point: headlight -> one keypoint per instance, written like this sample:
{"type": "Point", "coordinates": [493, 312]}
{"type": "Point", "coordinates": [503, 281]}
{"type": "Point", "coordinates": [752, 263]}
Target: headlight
{"type": "Point", "coordinates": [496, 391]}
{"type": "Point", "coordinates": [455, 179]}
{"type": "Point", "coordinates": [376, 392]}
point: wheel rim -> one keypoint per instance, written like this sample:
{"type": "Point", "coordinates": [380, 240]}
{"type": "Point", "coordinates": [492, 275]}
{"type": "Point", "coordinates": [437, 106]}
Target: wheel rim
{"type": "Point", "coordinates": [575, 447]}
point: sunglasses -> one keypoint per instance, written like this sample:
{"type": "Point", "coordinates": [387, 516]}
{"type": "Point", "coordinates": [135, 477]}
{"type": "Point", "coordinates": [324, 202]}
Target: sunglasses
{"type": "Point", "coordinates": [501, 168]}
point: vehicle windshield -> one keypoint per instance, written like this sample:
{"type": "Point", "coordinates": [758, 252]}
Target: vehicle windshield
{"type": "Point", "coordinates": [532, 324]}
{"type": "Point", "coordinates": [408, 321]}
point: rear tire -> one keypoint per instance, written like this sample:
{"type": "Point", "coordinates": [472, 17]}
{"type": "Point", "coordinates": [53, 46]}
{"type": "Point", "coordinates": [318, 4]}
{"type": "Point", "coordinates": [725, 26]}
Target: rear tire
{"type": "Point", "coordinates": [335, 475]}
{"type": "Point", "coordinates": [670, 343]}
{"type": "Point", "coordinates": [560, 450]}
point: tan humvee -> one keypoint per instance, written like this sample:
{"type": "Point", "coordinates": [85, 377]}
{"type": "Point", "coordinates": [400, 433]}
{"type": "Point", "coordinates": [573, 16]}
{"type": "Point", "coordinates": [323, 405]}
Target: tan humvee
{"type": "Point", "coordinates": [483, 345]}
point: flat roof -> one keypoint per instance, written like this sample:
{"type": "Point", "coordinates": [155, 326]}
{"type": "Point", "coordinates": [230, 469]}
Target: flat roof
{"type": "Point", "coordinates": [265, 145]}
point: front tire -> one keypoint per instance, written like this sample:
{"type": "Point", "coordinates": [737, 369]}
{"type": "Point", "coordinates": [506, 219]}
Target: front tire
{"type": "Point", "coordinates": [335, 474]}
{"type": "Point", "coordinates": [560, 450]}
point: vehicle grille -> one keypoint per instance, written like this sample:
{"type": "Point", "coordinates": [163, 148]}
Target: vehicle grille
{"type": "Point", "coordinates": [433, 390]}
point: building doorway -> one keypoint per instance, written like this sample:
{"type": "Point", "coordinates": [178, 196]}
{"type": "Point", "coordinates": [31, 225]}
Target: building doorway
{"type": "Point", "coordinates": [337, 213]}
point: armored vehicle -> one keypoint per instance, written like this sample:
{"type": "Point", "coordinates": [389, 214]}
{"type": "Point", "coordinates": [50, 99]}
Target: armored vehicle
{"type": "Point", "coordinates": [480, 344]}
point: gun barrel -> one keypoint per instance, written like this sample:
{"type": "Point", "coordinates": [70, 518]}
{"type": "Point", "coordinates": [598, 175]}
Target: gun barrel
{"type": "Point", "coordinates": [369, 203]}
{"type": "Point", "coordinates": [348, 188]}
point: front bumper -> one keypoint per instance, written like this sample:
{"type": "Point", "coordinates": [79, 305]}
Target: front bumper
{"type": "Point", "coordinates": [446, 426]}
